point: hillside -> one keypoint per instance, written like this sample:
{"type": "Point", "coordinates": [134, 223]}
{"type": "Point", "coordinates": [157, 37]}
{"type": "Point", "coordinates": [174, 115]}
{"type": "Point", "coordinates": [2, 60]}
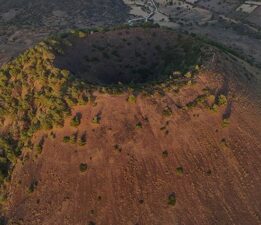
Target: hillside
{"type": "Point", "coordinates": [94, 130]}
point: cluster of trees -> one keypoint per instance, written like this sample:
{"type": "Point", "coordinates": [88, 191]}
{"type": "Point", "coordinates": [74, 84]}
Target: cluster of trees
{"type": "Point", "coordinates": [34, 95]}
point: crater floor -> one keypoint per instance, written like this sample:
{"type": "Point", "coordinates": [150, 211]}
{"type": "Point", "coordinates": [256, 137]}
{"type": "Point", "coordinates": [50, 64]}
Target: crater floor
{"type": "Point", "coordinates": [133, 55]}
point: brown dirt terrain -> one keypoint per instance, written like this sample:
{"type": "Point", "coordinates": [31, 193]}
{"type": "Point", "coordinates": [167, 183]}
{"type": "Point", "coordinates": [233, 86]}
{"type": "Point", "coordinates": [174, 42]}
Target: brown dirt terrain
{"type": "Point", "coordinates": [132, 169]}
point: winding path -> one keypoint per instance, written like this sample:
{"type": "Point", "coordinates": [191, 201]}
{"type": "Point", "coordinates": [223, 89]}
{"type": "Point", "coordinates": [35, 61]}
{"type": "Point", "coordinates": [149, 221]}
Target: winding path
{"type": "Point", "coordinates": [151, 5]}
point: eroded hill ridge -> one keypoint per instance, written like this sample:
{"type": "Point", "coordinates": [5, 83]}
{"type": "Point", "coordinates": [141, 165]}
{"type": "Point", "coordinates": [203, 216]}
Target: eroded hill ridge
{"type": "Point", "coordinates": [130, 100]}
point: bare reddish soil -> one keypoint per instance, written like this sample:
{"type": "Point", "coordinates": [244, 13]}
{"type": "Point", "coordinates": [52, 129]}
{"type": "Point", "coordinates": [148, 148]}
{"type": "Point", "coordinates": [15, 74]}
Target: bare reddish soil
{"type": "Point", "coordinates": [129, 184]}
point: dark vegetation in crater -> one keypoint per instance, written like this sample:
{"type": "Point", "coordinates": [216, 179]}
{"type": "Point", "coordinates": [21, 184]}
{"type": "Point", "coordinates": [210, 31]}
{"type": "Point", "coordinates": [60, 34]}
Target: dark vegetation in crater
{"type": "Point", "coordinates": [128, 56]}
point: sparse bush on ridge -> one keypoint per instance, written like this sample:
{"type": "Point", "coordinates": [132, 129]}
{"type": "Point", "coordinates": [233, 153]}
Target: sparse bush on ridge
{"type": "Point", "coordinates": [132, 99]}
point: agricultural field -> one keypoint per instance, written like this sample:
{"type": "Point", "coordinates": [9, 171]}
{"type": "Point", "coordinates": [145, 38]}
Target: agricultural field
{"type": "Point", "coordinates": [224, 22]}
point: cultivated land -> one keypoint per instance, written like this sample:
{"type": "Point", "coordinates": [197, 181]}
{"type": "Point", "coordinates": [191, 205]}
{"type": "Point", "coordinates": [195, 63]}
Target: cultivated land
{"type": "Point", "coordinates": [180, 146]}
{"type": "Point", "coordinates": [220, 21]}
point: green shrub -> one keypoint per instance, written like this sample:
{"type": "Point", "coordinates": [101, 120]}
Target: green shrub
{"type": "Point", "coordinates": [96, 119]}
{"type": "Point", "coordinates": [222, 100]}
{"type": "Point", "coordinates": [82, 140]}
{"type": "Point", "coordinates": [118, 148]}
{"type": "Point", "coordinates": [188, 75]}
{"type": "Point", "coordinates": [66, 139]}
{"type": "Point", "coordinates": [73, 138]}
{"type": "Point", "coordinates": [32, 186]}
{"type": "Point", "coordinates": [225, 123]}
{"type": "Point", "coordinates": [214, 108]}
{"type": "Point", "coordinates": [172, 199]}
{"type": "Point", "coordinates": [167, 111]}
{"type": "Point", "coordinates": [76, 120]}
{"type": "Point", "coordinates": [139, 125]}
{"type": "Point", "coordinates": [3, 198]}
{"type": "Point", "coordinates": [224, 142]}
{"type": "Point", "coordinates": [165, 154]}
{"type": "Point", "coordinates": [81, 34]}
{"type": "Point", "coordinates": [53, 135]}
{"type": "Point", "coordinates": [132, 99]}
{"type": "Point", "coordinates": [83, 167]}
{"type": "Point", "coordinates": [179, 171]}
{"type": "Point", "coordinates": [39, 148]}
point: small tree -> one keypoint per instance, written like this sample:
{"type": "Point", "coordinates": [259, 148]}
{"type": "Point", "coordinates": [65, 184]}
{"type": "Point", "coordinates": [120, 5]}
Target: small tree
{"type": "Point", "coordinates": [179, 171]}
{"type": "Point", "coordinates": [76, 120]}
{"type": "Point", "coordinates": [132, 99]}
{"type": "Point", "coordinates": [222, 100]}
{"type": "Point", "coordinates": [66, 139]}
{"type": "Point", "coordinates": [82, 140]}
{"type": "Point", "coordinates": [167, 111]}
{"type": "Point", "coordinates": [172, 199]}
{"type": "Point", "coordinates": [73, 138]}
{"type": "Point", "coordinates": [39, 148]}
{"type": "Point", "coordinates": [139, 125]}
{"type": "Point", "coordinates": [165, 154]}
{"type": "Point", "coordinates": [83, 167]}
{"type": "Point", "coordinates": [214, 108]}
{"type": "Point", "coordinates": [96, 119]}
{"type": "Point", "coordinates": [225, 122]}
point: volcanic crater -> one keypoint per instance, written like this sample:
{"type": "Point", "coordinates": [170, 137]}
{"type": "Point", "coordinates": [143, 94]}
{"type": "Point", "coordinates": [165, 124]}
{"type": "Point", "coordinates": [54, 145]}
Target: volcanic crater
{"type": "Point", "coordinates": [138, 157]}
{"type": "Point", "coordinates": [128, 56]}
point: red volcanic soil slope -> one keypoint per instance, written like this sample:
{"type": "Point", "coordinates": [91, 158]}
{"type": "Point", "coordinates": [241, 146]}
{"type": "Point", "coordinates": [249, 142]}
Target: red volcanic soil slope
{"type": "Point", "coordinates": [152, 161]}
